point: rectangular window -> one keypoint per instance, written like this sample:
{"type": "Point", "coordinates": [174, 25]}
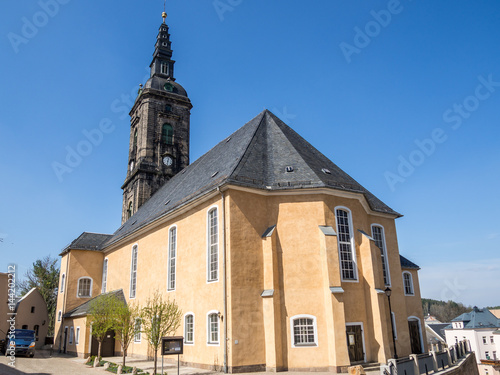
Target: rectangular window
{"type": "Point", "coordinates": [492, 339]}
{"type": "Point", "coordinates": [71, 334]}
{"type": "Point", "coordinates": [104, 275]}
{"type": "Point", "coordinates": [85, 287]}
{"type": "Point", "coordinates": [63, 278]}
{"type": "Point", "coordinates": [487, 355]}
{"type": "Point", "coordinates": [378, 236]}
{"type": "Point", "coordinates": [303, 331]}
{"type": "Point", "coordinates": [213, 329]}
{"type": "Point", "coordinates": [77, 339]}
{"type": "Point", "coordinates": [172, 253]}
{"type": "Point", "coordinates": [394, 325]}
{"type": "Point", "coordinates": [213, 246]}
{"type": "Point", "coordinates": [494, 355]}
{"type": "Point", "coordinates": [32, 309]}
{"type": "Point", "coordinates": [133, 272]}
{"type": "Point", "coordinates": [189, 329]}
{"type": "Point", "coordinates": [346, 248]}
{"type": "Point", "coordinates": [137, 336]}
{"type": "Point", "coordinates": [164, 68]}
{"type": "Point", "coordinates": [408, 283]}
{"type": "Point", "coordinates": [484, 340]}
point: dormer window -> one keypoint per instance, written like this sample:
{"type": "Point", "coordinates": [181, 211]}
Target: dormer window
{"type": "Point", "coordinates": [169, 87]}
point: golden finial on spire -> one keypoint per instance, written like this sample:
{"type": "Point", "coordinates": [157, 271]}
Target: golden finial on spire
{"type": "Point", "coordinates": [164, 14]}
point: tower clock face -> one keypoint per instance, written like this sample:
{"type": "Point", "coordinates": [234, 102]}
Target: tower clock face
{"type": "Point", "coordinates": [167, 160]}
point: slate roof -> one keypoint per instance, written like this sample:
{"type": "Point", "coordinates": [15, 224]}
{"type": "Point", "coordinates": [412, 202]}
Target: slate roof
{"type": "Point", "coordinates": [478, 318]}
{"type": "Point", "coordinates": [83, 309]}
{"type": "Point", "coordinates": [254, 156]}
{"type": "Point", "coordinates": [438, 328]}
{"type": "Point", "coordinates": [87, 241]}
{"type": "Point", "coordinates": [406, 263]}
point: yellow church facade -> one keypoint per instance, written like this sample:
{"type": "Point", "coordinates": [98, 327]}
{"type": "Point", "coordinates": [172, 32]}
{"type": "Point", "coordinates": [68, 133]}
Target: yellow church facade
{"type": "Point", "coordinates": [277, 258]}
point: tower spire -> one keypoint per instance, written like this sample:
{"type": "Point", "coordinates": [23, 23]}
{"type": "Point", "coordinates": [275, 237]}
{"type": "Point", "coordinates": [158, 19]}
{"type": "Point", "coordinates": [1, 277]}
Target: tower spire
{"type": "Point", "coordinates": [162, 64]}
{"type": "Point", "coordinates": [164, 14]}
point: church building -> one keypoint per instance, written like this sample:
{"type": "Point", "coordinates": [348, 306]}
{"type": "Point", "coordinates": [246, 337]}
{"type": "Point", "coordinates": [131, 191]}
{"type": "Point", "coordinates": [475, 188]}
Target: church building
{"type": "Point", "coordinates": [277, 258]}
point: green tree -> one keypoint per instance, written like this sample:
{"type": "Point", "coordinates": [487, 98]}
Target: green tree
{"type": "Point", "coordinates": [125, 319]}
{"type": "Point", "coordinates": [101, 316]}
{"type": "Point", "coordinates": [159, 319]}
{"type": "Point", "coordinates": [44, 275]}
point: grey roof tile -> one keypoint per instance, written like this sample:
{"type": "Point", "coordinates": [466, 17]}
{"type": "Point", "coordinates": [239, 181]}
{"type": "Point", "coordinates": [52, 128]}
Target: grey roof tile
{"type": "Point", "coordinates": [406, 263]}
{"type": "Point", "coordinates": [255, 156]}
{"type": "Point", "coordinates": [83, 309]}
{"type": "Point", "coordinates": [88, 241]}
{"type": "Point", "coordinates": [478, 318]}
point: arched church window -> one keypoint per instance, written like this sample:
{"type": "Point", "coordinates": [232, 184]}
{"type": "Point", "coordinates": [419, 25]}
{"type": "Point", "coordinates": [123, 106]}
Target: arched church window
{"type": "Point", "coordinates": [129, 210]}
{"type": "Point", "coordinates": [167, 134]}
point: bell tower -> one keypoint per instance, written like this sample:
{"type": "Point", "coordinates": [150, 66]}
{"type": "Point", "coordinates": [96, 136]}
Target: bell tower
{"type": "Point", "coordinates": [159, 129]}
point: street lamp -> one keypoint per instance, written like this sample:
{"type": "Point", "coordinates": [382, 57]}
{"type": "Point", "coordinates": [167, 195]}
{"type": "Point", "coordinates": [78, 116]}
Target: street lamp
{"type": "Point", "coordinates": [388, 292]}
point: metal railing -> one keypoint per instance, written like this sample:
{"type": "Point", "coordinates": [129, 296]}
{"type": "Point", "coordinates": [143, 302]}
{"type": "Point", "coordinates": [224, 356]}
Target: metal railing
{"type": "Point", "coordinates": [427, 363]}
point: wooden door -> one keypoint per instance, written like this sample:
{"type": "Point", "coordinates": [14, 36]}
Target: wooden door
{"type": "Point", "coordinates": [107, 346]}
{"type": "Point", "coordinates": [355, 343]}
{"type": "Point", "coordinates": [416, 344]}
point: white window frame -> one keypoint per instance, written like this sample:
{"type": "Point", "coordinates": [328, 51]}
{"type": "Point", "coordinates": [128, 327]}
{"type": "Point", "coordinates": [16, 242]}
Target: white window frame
{"type": "Point", "coordinates": [411, 283]}
{"type": "Point", "coordinates": [351, 243]}
{"type": "Point", "coordinates": [133, 273]}
{"type": "Point", "coordinates": [63, 280]}
{"type": "Point", "coordinates": [138, 336]}
{"type": "Point", "coordinates": [59, 315]}
{"type": "Point", "coordinates": [492, 340]}
{"type": "Point", "coordinates": [485, 341]}
{"type": "Point", "coordinates": [393, 317]}
{"type": "Point", "coordinates": [315, 331]}
{"type": "Point", "coordinates": [211, 245]}
{"type": "Point", "coordinates": [209, 328]}
{"type": "Point", "coordinates": [171, 274]}
{"type": "Point", "coordinates": [90, 288]}
{"type": "Point", "coordinates": [71, 334]}
{"type": "Point", "coordinates": [385, 260]}
{"type": "Point", "coordinates": [77, 336]}
{"type": "Point", "coordinates": [104, 275]}
{"type": "Point", "coordinates": [185, 328]}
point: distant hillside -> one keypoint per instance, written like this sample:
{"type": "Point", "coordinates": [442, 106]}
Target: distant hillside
{"type": "Point", "coordinates": [444, 311]}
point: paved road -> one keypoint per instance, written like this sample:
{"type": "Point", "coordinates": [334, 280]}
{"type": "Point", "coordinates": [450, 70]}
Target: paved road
{"type": "Point", "coordinates": [43, 364]}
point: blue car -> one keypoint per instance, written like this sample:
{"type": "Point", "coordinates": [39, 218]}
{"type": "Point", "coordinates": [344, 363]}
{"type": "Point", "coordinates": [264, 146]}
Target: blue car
{"type": "Point", "coordinates": [21, 341]}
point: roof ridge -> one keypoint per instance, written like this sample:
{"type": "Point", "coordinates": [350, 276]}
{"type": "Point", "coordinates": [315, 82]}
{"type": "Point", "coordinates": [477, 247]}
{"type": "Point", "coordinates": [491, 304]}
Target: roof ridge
{"type": "Point", "coordinates": [263, 114]}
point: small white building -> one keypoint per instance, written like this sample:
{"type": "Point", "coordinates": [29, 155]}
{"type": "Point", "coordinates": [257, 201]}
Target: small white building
{"type": "Point", "coordinates": [481, 328]}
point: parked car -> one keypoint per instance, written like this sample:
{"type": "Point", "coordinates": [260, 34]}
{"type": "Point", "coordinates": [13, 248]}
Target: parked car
{"type": "Point", "coordinates": [22, 341]}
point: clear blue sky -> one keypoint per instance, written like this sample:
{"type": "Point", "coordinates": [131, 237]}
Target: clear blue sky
{"type": "Point", "coordinates": [364, 82]}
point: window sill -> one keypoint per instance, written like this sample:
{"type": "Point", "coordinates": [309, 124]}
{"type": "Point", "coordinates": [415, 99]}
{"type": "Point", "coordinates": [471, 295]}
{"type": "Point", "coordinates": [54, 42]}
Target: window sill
{"type": "Point", "coordinates": [305, 345]}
